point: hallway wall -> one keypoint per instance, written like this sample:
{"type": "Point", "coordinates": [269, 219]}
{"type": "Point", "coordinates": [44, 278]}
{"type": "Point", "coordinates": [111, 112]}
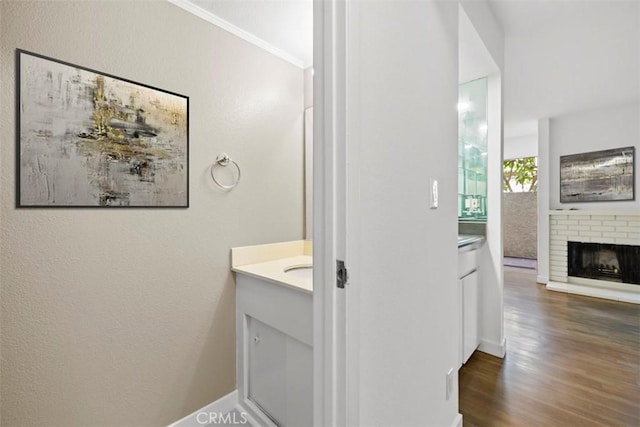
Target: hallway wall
{"type": "Point", "coordinates": [404, 280]}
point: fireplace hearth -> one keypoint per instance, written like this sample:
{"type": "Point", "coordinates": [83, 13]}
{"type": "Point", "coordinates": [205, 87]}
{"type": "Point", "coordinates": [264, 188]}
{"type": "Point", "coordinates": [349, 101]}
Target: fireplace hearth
{"type": "Point", "coordinates": [600, 261]}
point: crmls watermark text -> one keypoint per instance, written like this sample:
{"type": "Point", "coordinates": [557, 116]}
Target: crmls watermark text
{"type": "Point", "coordinates": [214, 418]}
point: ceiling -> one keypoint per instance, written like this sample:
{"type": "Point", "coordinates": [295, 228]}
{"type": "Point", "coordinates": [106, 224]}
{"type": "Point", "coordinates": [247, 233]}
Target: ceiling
{"type": "Point", "coordinates": [560, 56]}
{"type": "Point", "coordinates": [563, 57]}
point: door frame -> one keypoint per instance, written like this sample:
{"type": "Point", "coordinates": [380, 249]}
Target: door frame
{"type": "Point", "coordinates": [330, 213]}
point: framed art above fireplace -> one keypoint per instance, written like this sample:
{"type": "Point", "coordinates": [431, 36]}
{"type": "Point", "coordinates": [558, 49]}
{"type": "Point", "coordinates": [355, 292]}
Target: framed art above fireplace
{"type": "Point", "coordinates": [597, 176]}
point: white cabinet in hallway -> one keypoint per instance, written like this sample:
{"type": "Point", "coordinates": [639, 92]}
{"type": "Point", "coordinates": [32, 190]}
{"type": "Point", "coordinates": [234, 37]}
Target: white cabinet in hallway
{"type": "Point", "coordinates": [470, 340]}
{"type": "Point", "coordinates": [468, 297]}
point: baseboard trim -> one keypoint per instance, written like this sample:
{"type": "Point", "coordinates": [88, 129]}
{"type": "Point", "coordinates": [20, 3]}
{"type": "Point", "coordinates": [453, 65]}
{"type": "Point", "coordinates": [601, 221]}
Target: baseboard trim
{"type": "Point", "coordinates": [221, 406]}
{"type": "Point", "coordinates": [493, 348]}
{"type": "Point", "coordinates": [542, 280]}
{"type": "Point", "coordinates": [457, 421]}
{"type": "Point", "coordinates": [254, 414]}
{"type": "Point", "coordinates": [591, 291]}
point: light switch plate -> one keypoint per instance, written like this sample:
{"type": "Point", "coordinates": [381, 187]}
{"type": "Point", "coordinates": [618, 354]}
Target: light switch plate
{"type": "Point", "coordinates": [433, 194]}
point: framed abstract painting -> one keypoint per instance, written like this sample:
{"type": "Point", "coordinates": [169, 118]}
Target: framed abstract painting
{"type": "Point", "coordinates": [90, 139]}
{"type": "Point", "coordinates": [597, 176]}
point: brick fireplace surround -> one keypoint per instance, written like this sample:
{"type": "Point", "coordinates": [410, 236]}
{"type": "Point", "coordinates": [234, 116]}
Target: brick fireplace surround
{"type": "Point", "coordinates": [595, 227]}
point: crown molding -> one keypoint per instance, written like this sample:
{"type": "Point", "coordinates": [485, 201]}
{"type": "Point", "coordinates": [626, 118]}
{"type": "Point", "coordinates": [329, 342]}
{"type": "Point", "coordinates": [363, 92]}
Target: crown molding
{"type": "Point", "coordinates": [237, 31]}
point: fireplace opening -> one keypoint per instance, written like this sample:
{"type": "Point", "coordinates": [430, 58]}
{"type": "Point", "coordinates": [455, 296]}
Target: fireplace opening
{"type": "Point", "coordinates": [603, 261]}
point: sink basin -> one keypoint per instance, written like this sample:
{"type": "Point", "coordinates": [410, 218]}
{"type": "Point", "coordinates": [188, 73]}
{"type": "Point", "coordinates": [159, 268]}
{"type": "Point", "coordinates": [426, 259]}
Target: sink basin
{"type": "Point", "coordinates": [303, 271]}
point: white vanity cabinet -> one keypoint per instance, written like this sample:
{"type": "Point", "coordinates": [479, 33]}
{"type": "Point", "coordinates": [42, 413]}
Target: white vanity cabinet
{"type": "Point", "coordinates": [468, 303]}
{"type": "Point", "coordinates": [275, 355]}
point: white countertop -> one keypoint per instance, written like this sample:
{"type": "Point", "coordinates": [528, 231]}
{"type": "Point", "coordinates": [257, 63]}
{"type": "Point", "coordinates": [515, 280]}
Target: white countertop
{"type": "Point", "coordinates": [273, 271]}
{"type": "Point", "coordinates": [468, 242]}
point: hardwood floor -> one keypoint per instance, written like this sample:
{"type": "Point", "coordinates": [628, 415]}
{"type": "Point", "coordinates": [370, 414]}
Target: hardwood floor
{"type": "Point", "coordinates": [571, 361]}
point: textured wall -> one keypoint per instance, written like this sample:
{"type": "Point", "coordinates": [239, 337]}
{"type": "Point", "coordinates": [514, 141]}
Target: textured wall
{"type": "Point", "coordinates": [520, 225]}
{"type": "Point", "coordinates": [126, 317]}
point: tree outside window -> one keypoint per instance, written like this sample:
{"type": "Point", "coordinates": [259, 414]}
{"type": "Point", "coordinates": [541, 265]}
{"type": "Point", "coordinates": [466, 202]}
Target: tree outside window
{"type": "Point", "coordinates": [520, 175]}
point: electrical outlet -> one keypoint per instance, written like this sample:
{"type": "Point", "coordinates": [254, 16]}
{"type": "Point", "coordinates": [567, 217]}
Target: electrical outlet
{"type": "Point", "coordinates": [449, 383]}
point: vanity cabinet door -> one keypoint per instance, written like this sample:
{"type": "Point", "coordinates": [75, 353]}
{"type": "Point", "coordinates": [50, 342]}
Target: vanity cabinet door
{"type": "Point", "coordinates": [267, 369]}
{"type": "Point", "coordinates": [280, 375]}
{"type": "Point", "coordinates": [299, 384]}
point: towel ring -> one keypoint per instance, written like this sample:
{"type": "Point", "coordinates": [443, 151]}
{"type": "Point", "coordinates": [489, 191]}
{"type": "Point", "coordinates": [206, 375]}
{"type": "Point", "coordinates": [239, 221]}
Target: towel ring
{"type": "Point", "coordinates": [224, 160]}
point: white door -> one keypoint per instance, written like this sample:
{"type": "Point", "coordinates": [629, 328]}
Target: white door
{"type": "Point", "coordinates": [385, 92]}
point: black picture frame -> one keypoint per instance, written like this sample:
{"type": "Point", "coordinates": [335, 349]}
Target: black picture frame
{"type": "Point", "coordinates": [90, 139]}
{"type": "Point", "coordinates": [598, 176]}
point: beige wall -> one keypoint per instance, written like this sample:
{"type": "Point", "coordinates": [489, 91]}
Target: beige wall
{"type": "Point", "coordinates": [126, 317]}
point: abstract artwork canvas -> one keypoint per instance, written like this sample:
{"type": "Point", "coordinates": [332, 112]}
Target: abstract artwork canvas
{"type": "Point", "coordinates": [90, 139]}
{"type": "Point", "coordinates": [606, 175]}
